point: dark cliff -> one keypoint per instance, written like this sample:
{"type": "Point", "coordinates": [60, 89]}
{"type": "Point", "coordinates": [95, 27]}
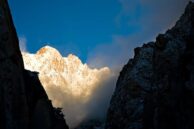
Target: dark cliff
{"type": "Point", "coordinates": [155, 89]}
{"type": "Point", "coordinates": [23, 102]}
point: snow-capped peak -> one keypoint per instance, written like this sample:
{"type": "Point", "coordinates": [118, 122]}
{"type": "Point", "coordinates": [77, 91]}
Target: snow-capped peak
{"type": "Point", "coordinates": [68, 82]}
{"type": "Point", "coordinates": [48, 50]}
{"type": "Point", "coordinates": [67, 72]}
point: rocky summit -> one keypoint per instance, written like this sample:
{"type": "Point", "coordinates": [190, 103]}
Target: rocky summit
{"type": "Point", "coordinates": [155, 89]}
{"type": "Point", "coordinates": [68, 73]}
{"type": "Point", "coordinates": [69, 83]}
{"type": "Point", "coordinates": [23, 102]}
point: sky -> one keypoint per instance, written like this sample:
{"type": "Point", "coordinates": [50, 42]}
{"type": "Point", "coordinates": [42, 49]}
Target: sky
{"type": "Point", "coordinates": [99, 32]}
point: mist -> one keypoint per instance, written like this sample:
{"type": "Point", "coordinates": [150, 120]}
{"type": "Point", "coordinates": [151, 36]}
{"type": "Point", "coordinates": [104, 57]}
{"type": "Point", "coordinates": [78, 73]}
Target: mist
{"type": "Point", "coordinates": [78, 109]}
{"type": "Point", "coordinates": [82, 92]}
{"type": "Point", "coordinates": [158, 16]}
{"type": "Point", "coordinates": [148, 17]}
{"type": "Point", "coordinates": [22, 43]}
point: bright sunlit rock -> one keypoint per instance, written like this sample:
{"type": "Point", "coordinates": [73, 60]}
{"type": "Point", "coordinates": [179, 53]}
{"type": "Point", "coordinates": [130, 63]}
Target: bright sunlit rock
{"type": "Point", "coordinates": [68, 82]}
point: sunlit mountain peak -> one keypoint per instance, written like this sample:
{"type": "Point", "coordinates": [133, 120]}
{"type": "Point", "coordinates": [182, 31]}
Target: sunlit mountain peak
{"type": "Point", "coordinates": [48, 50]}
{"type": "Point", "coordinates": [67, 73]}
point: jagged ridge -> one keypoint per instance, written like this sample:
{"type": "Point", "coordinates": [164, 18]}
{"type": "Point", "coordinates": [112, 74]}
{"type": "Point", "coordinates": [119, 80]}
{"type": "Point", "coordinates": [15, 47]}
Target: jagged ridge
{"type": "Point", "coordinates": [155, 89]}
{"type": "Point", "coordinates": [67, 72]}
{"type": "Point", "coordinates": [68, 82]}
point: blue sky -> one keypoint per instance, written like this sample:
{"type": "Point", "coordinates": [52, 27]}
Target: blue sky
{"type": "Point", "coordinates": [72, 26]}
{"type": "Point", "coordinates": [100, 32]}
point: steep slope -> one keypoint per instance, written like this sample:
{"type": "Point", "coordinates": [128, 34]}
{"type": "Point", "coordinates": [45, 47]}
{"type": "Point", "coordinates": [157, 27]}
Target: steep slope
{"type": "Point", "coordinates": [68, 72]}
{"type": "Point", "coordinates": [155, 89]}
{"type": "Point", "coordinates": [23, 102]}
{"type": "Point", "coordinates": [69, 83]}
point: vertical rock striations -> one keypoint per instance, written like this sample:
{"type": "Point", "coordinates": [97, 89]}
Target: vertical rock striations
{"type": "Point", "coordinates": [23, 102]}
{"type": "Point", "coordinates": [155, 89]}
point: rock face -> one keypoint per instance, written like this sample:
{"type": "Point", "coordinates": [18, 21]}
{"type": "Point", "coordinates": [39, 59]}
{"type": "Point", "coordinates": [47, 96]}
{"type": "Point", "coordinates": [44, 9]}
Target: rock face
{"type": "Point", "coordinates": [23, 102]}
{"type": "Point", "coordinates": [69, 83]}
{"type": "Point", "coordinates": [155, 89]}
{"type": "Point", "coordinates": [69, 73]}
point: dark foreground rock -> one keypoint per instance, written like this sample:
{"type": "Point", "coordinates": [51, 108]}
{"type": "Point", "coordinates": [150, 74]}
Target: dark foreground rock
{"type": "Point", "coordinates": [91, 124]}
{"type": "Point", "coordinates": [23, 102]}
{"type": "Point", "coordinates": [155, 89]}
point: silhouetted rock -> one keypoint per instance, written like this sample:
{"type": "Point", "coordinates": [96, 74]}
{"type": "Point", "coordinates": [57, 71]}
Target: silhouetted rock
{"type": "Point", "coordinates": [23, 102]}
{"type": "Point", "coordinates": [91, 124]}
{"type": "Point", "coordinates": [155, 89]}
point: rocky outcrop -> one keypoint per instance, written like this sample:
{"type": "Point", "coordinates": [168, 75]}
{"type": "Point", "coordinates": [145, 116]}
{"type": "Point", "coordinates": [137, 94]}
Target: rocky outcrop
{"type": "Point", "coordinates": [23, 102]}
{"type": "Point", "coordinates": [71, 84]}
{"type": "Point", "coordinates": [69, 73]}
{"type": "Point", "coordinates": [155, 89]}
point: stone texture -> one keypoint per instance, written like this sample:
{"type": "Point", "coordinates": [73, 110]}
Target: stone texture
{"type": "Point", "coordinates": [23, 100]}
{"type": "Point", "coordinates": [155, 89]}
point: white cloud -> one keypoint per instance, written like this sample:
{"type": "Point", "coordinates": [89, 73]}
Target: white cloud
{"type": "Point", "coordinates": [113, 55]}
{"type": "Point", "coordinates": [148, 17]}
{"type": "Point", "coordinates": [23, 43]}
{"type": "Point", "coordinates": [74, 86]}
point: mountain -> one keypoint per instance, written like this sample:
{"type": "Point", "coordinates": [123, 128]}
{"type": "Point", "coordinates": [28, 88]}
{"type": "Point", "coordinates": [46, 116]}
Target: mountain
{"type": "Point", "coordinates": [155, 89]}
{"type": "Point", "coordinates": [23, 102]}
{"type": "Point", "coordinates": [69, 83]}
{"type": "Point", "coordinates": [69, 72]}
